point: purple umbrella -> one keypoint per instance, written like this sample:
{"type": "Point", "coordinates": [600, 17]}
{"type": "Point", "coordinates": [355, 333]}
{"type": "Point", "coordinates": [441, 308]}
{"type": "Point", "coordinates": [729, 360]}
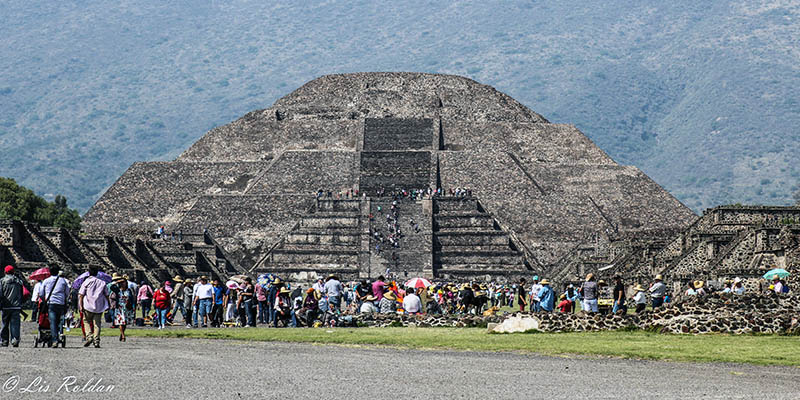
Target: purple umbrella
{"type": "Point", "coordinates": [82, 277]}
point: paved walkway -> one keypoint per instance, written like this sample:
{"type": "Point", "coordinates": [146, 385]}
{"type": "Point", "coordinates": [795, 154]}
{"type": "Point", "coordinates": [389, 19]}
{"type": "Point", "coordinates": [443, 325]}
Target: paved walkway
{"type": "Point", "coordinates": [185, 368]}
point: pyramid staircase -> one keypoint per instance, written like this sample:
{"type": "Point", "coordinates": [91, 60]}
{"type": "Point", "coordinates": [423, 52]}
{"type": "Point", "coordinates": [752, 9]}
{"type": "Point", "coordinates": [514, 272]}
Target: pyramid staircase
{"type": "Point", "coordinates": [327, 239]}
{"type": "Point", "coordinates": [468, 241]}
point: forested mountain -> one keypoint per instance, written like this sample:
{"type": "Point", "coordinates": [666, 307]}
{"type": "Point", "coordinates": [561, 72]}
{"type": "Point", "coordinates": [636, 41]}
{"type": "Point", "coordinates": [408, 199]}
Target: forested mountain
{"type": "Point", "coordinates": [702, 96]}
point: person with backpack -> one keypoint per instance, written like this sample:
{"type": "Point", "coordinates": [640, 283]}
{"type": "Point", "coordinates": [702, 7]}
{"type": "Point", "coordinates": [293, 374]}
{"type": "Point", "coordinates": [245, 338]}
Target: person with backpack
{"type": "Point", "coordinates": [54, 294]}
{"type": "Point", "coordinates": [161, 302]}
{"type": "Point", "coordinates": [11, 298]}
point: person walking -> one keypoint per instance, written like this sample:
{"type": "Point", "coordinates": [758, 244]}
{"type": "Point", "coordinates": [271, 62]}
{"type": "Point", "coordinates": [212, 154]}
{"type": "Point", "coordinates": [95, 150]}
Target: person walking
{"type": "Point", "coordinates": [54, 293]}
{"type": "Point", "coordinates": [161, 302]}
{"type": "Point", "coordinates": [619, 296]}
{"type": "Point", "coordinates": [248, 297]}
{"type": "Point", "coordinates": [188, 290]}
{"type": "Point", "coordinates": [589, 293]}
{"type": "Point", "coordinates": [93, 301]}
{"type": "Point", "coordinates": [144, 298]}
{"type": "Point", "coordinates": [123, 302]}
{"type": "Point", "coordinates": [11, 297]}
{"type": "Point", "coordinates": [657, 291]}
{"type": "Point", "coordinates": [203, 298]}
{"type": "Point", "coordinates": [177, 297]}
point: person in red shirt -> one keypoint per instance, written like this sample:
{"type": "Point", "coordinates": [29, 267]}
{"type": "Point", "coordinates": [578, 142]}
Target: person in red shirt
{"type": "Point", "coordinates": [162, 302]}
{"type": "Point", "coordinates": [565, 306]}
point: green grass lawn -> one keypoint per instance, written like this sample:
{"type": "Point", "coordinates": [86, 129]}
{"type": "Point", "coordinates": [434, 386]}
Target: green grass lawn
{"type": "Point", "coordinates": [762, 350]}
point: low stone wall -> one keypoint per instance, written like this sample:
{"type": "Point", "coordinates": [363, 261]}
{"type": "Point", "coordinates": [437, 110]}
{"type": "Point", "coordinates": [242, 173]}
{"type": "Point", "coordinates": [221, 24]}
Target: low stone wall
{"type": "Point", "coordinates": [715, 313]}
{"type": "Point", "coordinates": [425, 321]}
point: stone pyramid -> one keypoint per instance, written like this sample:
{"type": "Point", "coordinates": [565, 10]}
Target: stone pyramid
{"type": "Point", "coordinates": [540, 189]}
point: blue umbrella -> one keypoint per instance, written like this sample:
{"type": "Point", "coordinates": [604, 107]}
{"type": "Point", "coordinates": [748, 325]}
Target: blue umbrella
{"type": "Point", "coordinates": [82, 277]}
{"type": "Point", "coordinates": [264, 280]}
{"type": "Point", "coordinates": [779, 272]}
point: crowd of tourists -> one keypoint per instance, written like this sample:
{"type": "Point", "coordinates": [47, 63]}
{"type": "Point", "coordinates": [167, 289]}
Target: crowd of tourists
{"type": "Point", "coordinates": [268, 301]}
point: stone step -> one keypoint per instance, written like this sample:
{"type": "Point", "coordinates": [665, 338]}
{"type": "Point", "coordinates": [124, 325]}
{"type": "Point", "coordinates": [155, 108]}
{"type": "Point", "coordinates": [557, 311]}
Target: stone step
{"type": "Point", "coordinates": [466, 238]}
{"type": "Point", "coordinates": [327, 268]}
{"type": "Point", "coordinates": [316, 256]}
{"type": "Point", "coordinates": [398, 133]}
{"type": "Point", "coordinates": [327, 247]}
{"type": "Point", "coordinates": [332, 205]}
{"type": "Point", "coordinates": [329, 221]}
{"type": "Point", "coordinates": [474, 221]}
{"type": "Point", "coordinates": [472, 268]}
{"type": "Point", "coordinates": [479, 257]}
{"type": "Point", "coordinates": [455, 204]}
{"type": "Point", "coordinates": [473, 247]}
{"type": "Point", "coordinates": [304, 237]}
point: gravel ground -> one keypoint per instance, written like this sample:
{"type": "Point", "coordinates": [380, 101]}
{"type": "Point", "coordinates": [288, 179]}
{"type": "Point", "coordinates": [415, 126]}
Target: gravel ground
{"type": "Point", "coordinates": [199, 369]}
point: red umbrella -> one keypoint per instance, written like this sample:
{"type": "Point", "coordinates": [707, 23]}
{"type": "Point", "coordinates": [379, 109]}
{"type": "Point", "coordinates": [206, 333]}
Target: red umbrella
{"type": "Point", "coordinates": [418, 283]}
{"type": "Point", "coordinates": [40, 274]}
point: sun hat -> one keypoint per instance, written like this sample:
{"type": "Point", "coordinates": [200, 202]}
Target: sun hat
{"type": "Point", "coordinates": [601, 282]}
{"type": "Point", "coordinates": [737, 280]}
{"type": "Point", "coordinates": [659, 277]}
{"type": "Point", "coordinates": [126, 277]}
{"type": "Point", "coordinates": [285, 290]}
{"type": "Point", "coordinates": [638, 288]}
{"type": "Point", "coordinates": [276, 281]}
{"type": "Point", "coordinates": [203, 277]}
{"type": "Point", "coordinates": [698, 284]}
{"type": "Point", "coordinates": [562, 297]}
{"type": "Point", "coordinates": [178, 279]}
{"type": "Point", "coordinates": [115, 277]}
{"type": "Point", "coordinates": [390, 295]}
{"type": "Point", "coordinates": [545, 282]}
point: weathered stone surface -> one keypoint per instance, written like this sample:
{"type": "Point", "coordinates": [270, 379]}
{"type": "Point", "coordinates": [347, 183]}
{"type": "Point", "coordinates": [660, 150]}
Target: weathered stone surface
{"type": "Point", "coordinates": [544, 186]}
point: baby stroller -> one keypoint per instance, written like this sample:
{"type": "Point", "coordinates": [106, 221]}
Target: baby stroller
{"type": "Point", "coordinates": [43, 335]}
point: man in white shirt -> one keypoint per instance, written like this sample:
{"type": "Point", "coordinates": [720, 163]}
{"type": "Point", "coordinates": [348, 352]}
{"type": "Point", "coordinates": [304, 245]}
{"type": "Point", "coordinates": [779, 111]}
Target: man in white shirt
{"type": "Point", "coordinates": [411, 302]}
{"type": "Point", "coordinates": [203, 299]}
{"type": "Point", "coordinates": [738, 287]}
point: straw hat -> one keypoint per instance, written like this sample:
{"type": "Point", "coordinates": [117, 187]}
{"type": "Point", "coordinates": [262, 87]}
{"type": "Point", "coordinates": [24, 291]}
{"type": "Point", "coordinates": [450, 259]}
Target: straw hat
{"type": "Point", "coordinates": [562, 297]}
{"type": "Point", "coordinates": [698, 284]}
{"type": "Point", "coordinates": [115, 277]}
{"type": "Point", "coordinates": [589, 277]}
{"type": "Point", "coordinates": [544, 282]}
{"type": "Point", "coordinates": [203, 277]}
{"type": "Point", "coordinates": [126, 277]}
{"type": "Point", "coordinates": [277, 281]}
{"type": "Point", "coordinates": [737, 280]}
{"type": "Point", "coordinates": [638, 288]}
{"type": "Point", "coordinates": [390, 295]}
{"type": "Point", "coordinates": [285, 290]}
{"type": "Point", "coordinates": [601, 282]}
{"type": "Point", "coordinates": [178, 279]}
{"type": "Point", "coordinates": [659, 277]}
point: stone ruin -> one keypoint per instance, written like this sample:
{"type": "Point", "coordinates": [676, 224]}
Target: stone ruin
{"type": "Point", "coordinates": [725, 243]}
{"type": "Point", "coordinates": [539, 190]}
{"type": "Point", "coordinates": [29, 247]}
{"type": "Point", "coordinates": [716, 313]}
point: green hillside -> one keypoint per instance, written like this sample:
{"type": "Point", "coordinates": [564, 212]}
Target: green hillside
{"type": "Point", "coordinates": [701, 96]}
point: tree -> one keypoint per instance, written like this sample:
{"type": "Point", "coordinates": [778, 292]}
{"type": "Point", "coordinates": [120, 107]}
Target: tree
{"type": "Point", "coordinates": [20, 203]}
